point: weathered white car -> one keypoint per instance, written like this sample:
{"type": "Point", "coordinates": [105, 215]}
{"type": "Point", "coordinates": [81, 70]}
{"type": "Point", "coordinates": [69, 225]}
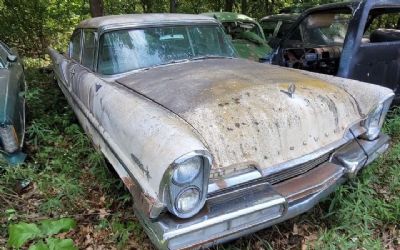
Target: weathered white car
{"type": "Point", "coordinates": [213, 147]}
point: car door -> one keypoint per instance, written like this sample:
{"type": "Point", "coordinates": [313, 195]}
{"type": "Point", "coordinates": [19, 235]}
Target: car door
{"type": "Point", "coordinates": [84, 80]}
{"type": "Point", "coordinates": [73, 60]}
{"type": "Point", "coordinates": [376, 59]}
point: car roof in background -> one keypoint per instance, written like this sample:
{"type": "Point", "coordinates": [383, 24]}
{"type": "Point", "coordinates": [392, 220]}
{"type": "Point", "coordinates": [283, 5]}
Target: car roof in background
{"type": "Point", "coordinates": [278, 17]}
{"type": "Point", "coordinates": [139, 19]}
{"type": "Point", "coordinates": [228, 16]}
{"type": "Point", "coordinates": [334, 6]}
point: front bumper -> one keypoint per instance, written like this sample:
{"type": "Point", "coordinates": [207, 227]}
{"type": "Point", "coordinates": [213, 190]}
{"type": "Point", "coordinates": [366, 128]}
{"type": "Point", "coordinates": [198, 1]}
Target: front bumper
{"type": "Point", "coordinates": [256, 205]}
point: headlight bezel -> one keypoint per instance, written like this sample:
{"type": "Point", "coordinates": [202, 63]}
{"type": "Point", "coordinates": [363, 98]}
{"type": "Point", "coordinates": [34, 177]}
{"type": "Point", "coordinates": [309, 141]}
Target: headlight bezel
{"type": "Point", "coordinates": [378, 112]}
{"type": "Point", "coordinates": [170, 190]}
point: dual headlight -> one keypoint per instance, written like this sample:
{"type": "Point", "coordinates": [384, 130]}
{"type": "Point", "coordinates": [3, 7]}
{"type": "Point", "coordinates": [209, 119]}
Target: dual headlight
{"type": "Point", "coordinates": [375, 119]}
{"type": "Point", "coordinates": [187, 183]}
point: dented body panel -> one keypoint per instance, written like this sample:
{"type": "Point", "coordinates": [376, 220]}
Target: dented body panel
{"type": "Point", "coordinates": [271, 135]}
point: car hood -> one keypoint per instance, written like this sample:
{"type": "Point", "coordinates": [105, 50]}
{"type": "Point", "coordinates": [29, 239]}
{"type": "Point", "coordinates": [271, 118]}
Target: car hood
{"type": "Point", "coordinates": [243, 110]}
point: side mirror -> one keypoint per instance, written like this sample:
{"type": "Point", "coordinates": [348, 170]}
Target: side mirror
{"type": "Point", "coordinates": [12, 58]}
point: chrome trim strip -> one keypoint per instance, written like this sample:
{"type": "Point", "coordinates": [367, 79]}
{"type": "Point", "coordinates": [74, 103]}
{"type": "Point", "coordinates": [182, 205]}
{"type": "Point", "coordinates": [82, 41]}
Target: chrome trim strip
{"type": "Point", "coordinates": [224, 218]}
{"type": "Point", "coordinates": [220, 184]}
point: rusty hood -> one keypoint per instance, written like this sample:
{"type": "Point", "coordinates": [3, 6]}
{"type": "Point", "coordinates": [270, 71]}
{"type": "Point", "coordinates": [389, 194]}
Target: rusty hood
{"type": "Point", "coordinates": [243, 110]}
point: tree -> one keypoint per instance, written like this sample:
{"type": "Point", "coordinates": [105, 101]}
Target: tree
{"type": "Point", "coordinates": [244, 7]}
{"type": "Point", "coordinates": [96, 8]}
{"type": "Point", "coordinates": [229, 5]}
{"type": "Point", "coordinates": [173, 6]}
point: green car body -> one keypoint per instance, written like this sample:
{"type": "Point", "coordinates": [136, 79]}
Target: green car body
{"type": "Point", "coordinates": [12, 106]}
{"type": "Point", "coordinates": [246, 33]}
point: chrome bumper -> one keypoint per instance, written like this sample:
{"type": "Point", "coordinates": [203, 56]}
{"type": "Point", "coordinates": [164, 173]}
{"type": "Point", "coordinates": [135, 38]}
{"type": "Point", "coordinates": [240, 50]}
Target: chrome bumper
{"type": "Point", "coordinates": [258, 204]}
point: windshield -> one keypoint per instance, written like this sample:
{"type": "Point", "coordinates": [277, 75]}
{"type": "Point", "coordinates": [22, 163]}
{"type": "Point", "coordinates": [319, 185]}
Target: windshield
{"type": "Point", "coordinates": [269, 28]}
{"type": "Point", "coordinates": [236, 29]}
{"type": "Point", "coordinates": [325, 28]}
{"type": "Point", "coordinates": [125, 50]}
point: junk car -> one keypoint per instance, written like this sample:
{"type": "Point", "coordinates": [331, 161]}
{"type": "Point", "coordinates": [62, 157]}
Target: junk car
{"type": "Point", "coordinates": [246, 33]}
{"type": "Point", "coordinates": [358, 40]}
{"type": "Point", "coordinates": [211, 146]}
{"type": "Point", "coordinates": [276, 26]}
{"type": "Point", "coordinates": [12, 106]}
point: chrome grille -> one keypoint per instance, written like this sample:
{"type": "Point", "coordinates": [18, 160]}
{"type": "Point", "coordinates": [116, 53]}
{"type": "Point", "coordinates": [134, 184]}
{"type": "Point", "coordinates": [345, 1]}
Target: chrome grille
{"type": "Point", "coordinates": [297, 170]}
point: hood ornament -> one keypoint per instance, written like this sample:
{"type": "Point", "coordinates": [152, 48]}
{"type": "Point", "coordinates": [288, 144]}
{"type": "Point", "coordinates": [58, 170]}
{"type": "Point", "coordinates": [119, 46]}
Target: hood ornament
{"type": "Point", "coordinates": [290, 91]}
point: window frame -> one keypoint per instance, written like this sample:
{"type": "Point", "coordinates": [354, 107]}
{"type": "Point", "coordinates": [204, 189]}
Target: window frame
{"type": "Point", "coordinates": [96, 48]}
{"type": "Point", "coordinates": [70, 47]}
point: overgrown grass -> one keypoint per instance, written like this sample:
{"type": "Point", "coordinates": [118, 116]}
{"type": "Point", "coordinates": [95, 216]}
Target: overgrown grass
{"type": "Point", "coordinates": [70, 179]}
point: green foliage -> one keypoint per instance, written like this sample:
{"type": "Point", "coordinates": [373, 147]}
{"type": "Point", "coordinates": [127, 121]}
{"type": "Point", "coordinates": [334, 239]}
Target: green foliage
{"type": "Point", "coordinates": [33, 25]}
{"type": "Point", "coordinates": [20, 233]}
{"type": "Point", "coordinates": [50, 227]}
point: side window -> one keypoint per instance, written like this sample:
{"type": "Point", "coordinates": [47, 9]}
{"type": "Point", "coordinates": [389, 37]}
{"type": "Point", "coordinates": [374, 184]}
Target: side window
{"type": "Point", "coordinates": [89, 49]}
{"type": "Point", "coordinates": [75, 46]}
{"type": "Point", "coordinates": [295, 36]}
{"type": "Point", "coordinates": [383, 27]}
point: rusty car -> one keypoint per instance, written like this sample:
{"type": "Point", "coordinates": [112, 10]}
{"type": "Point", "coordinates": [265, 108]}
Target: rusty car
{"type": "Point", "coordinates": [12, 106]}
{"type": "Point", "coordinates": [212, 146]}
{"type": "Point", "coordinates": [246, 33]}
{"type": "Point", "coordinates": [359, 40]}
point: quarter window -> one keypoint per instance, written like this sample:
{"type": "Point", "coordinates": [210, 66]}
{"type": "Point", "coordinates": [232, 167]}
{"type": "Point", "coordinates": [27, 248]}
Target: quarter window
{"type": "Point", "coordinates": [384, 26]}
{"type": "Point", "coordinates": [89, 49]}
{"type": "Point", "coordinates": [75, 46]}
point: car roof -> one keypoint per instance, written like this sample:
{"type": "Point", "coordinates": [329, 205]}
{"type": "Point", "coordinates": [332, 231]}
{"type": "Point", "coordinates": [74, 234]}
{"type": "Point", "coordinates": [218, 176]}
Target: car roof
{"type": "Point", "coordinates": [333, 6]}
{"type": "Point", "coordinates": [138, 19]}
{"type": "Point", "coordinates": [283, 17]}
{"type": "Point", "coordinates": [229, 16]}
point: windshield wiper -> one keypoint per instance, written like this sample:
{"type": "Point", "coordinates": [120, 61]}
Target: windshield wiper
{"type": "Point", "coordinates": [210, 57]}
{"type": "Point", "coordinates": [174, 61]}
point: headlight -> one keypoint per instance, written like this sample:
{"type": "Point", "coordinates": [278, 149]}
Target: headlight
{"type": "Point", "coordinates": [185, 185]}
{"type": "Point", "coordinates": [375, 120]}
{"type": "Point", "coordinates": [188, 170]}
{"type": "Point", "coordinates": [188, 199]}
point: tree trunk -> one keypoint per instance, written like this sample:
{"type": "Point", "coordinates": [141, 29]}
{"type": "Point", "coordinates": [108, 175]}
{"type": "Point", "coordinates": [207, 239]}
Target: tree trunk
{"type": "Point", "coordinates": [96, 8]}
{"type": "Point", "coordinates": [244, 7]}
{"type": "Point", "coordinates": [172, 6]}
{"type": "Point", "coordinates": [229, 5]}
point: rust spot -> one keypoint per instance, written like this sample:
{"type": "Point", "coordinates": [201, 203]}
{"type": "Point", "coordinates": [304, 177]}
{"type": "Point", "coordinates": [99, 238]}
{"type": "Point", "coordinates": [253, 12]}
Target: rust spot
{"type": "Point", "coordinates": [129, 184]}
{"type": "Point", "coordinates": [142, 201]}
{"type": "Point", "coordinates": [237, 125]}
{"type": "Point", "coordinates": [229, 129]}
{"type": "Point", "coordinates": [221, 183]}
